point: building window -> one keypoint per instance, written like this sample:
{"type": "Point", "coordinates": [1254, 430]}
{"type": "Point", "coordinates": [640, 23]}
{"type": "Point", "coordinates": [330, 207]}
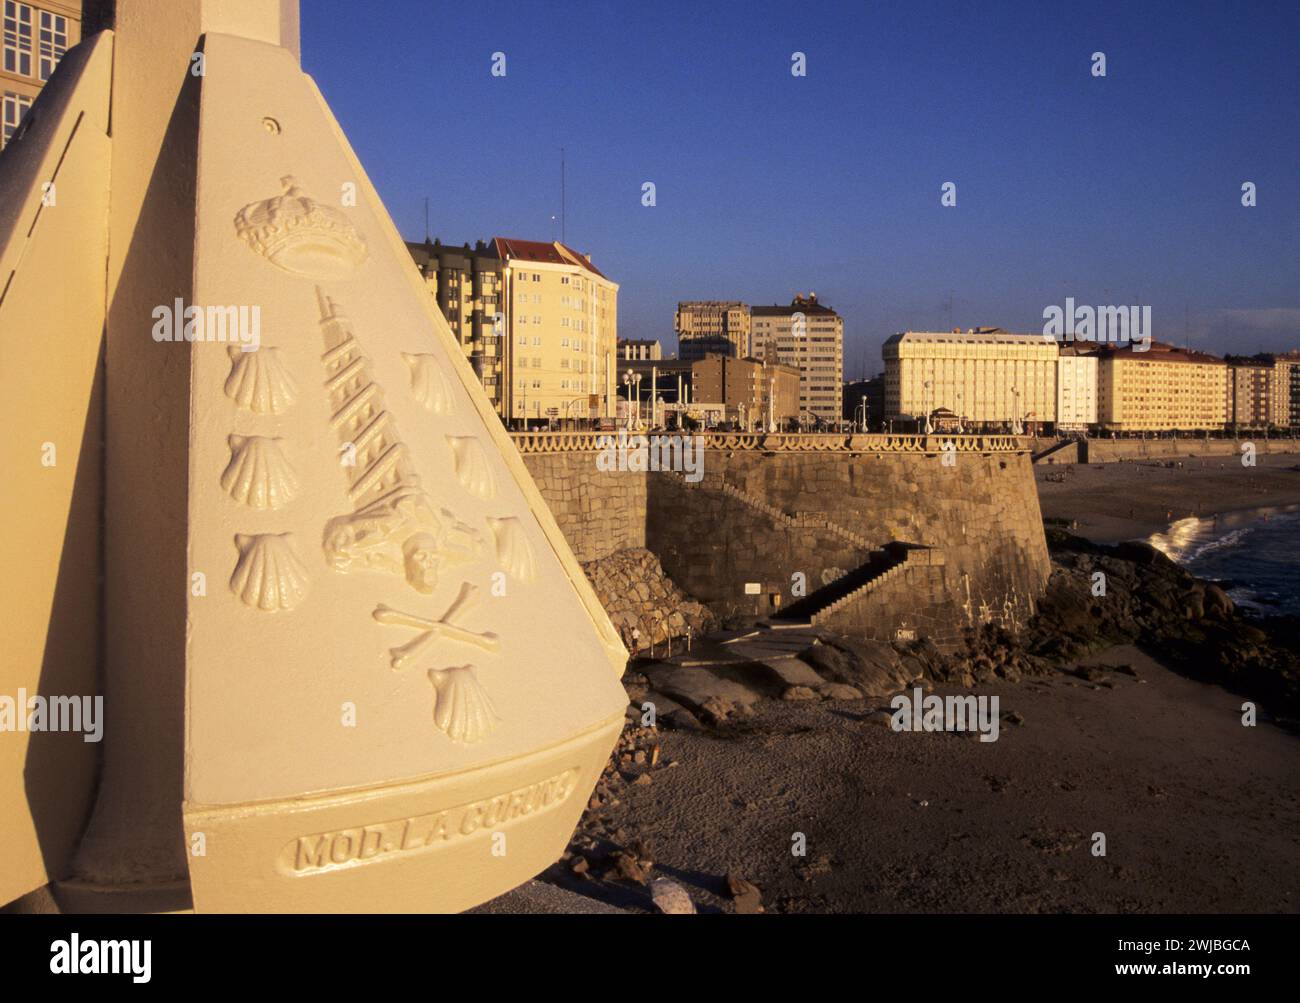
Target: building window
{"type": "Point", "coordinates": [15, 106]}
{"type": "Point", "coordinates": [18, 38]}
{"type": "Point", "coordinates": [54, 42]}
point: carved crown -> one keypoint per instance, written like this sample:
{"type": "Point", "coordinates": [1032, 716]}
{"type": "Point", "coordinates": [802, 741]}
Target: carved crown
{"type": "Point", "coordinates": [295, 232]}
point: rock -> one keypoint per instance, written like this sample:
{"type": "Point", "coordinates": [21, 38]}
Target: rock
{"type": "Point", "coordinates": [1217, 603]}
{"type": "Point", "coordinates": [717, 710]}
{"type": "Point", "coordinates": [694, 686]}
{"type": "Point", "coordinates": [799, 693]}
{"type": "Point", "coordinates": [840, 691]}
{"type": "Point", "coordinates": [637, 595]}
{"type": "Point", "coordinates": [628, 868]}
{"type": "Point", "coordinates": [873, 667]}
{"type": "Point", "coordinates": [671, 898]}
{"type": "Point", "coordinates": [745, 896]}
{"type": "Point", "coordinates": [782, 672]}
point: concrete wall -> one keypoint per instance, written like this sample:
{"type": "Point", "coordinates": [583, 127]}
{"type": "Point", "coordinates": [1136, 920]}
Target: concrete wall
{"type": "Point", "coordinates": [52, 409]}
{"type": "Point", "coordinates": [761, 516]}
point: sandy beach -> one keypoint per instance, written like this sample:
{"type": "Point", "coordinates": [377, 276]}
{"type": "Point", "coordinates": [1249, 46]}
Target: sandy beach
{"type": "Point", "coordinates": [1198, 812]}
{"type": "Point", "coordinates": [1110, 502]}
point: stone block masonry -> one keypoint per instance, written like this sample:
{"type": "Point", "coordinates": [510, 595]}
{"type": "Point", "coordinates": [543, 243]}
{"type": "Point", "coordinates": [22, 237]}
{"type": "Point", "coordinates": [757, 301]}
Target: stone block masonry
{"type": "Point", "coordinates": [772, 507]}
{"type": "Point", "coordinates": [600, 511]}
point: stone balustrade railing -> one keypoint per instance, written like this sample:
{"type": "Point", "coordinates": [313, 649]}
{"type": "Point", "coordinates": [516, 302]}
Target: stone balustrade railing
{"type": "Point", "coordinates": [780, 442]}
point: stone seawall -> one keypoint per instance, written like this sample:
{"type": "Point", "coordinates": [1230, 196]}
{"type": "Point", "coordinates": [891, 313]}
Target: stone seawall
{"type": "Point", "coordinates": [1116, 450]}
{"type": "Point", "coordinates": [772, 521]}
{"type": "Point", "coordinates": [600, 511]}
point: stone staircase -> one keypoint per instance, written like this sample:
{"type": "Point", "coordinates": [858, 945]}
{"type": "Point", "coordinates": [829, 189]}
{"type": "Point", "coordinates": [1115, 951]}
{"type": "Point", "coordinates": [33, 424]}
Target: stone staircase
{"type": "Point", "coordinates": [883, 566]}
{"type": "Point", "coordinates": [1074, 440]}
{"type": "Point", "coordinates": [797, 520]}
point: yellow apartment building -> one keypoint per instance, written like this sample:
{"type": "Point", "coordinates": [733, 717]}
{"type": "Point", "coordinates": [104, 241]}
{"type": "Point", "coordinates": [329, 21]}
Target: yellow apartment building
{"type": "Point", "coordinates": [561, 318]}
{"type": "Point", "coordinates": [986, 376]}
{"type": "Point", "coordinates": [1163, 389]}
{"type": "Point", "coordinates": [36, 34]}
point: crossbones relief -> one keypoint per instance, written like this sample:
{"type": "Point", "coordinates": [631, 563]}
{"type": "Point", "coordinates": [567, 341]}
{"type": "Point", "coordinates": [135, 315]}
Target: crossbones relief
{"type": "Point", "coordinates": [445, 626]}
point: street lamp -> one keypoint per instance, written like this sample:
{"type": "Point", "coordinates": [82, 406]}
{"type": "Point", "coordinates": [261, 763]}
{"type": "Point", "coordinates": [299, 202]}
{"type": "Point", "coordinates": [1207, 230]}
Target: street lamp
{"type": "Point", "coordinates": [632, 380]}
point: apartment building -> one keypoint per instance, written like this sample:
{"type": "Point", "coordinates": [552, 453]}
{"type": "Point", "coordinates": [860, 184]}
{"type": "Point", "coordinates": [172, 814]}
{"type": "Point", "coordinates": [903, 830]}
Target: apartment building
{"type": "Point", "coordinates": [561, 317]}
{"type": "Point", "coordinates": [758, 395]}
{"type": "Point", "coordinates": [808, 336]}
{"type": "Point", "coordinates": [537, 321]}
{"type": "Point", "coordinates": [694, 349]}
{"type": "Point", "coordinates": [467, 286]}
{"type": "Point", "coordinates": [1251, 384]}
{"type": "Point", "coordinates": [1163, 389]}
{"type": "Point", "coordinates": [712, 321]}
{"type": "Point", "coordinates": [35, 36]}
{"type": "Point", "coordinates": [639, 349]}
{"type": "Point", "coordinates": [986, 376]}
{"type": "Point", "coordinates": [1284, 399]}
{"type": "Point", "coordinates": [1076, 388]}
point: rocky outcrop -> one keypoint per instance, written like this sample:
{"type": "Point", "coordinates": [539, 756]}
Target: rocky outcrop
{"type": "Point", "coordinates": [1190, 625]}
{"type": "Point", "coordinates": [644, 605]}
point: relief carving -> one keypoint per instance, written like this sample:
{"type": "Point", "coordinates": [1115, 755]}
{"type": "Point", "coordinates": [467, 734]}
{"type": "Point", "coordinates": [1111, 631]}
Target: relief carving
{"type": "Point", "coordinates": [428, 384]}
{"type": "Point", "coordinates": [295, 232]}
{"type": "Point", "coordinates": [259, 381]}
{"type": "Point", "coordinates": [472, 468]}
{"type": "Point", "coordinates": [461, 707]}
{"type": "Point", "coordinates": [268, 575]}
{"type": "Point", "coordinates": [395, 526]}
{"type": "Point", "coordinates": [514, 552]}
{"type": "Point", "coordinates": [258, 474]}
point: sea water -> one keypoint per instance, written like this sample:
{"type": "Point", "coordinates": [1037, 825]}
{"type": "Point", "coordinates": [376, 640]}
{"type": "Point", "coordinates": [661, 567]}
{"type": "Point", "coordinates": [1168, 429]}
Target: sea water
{"type": "Point", "coordinates": [1255, 553]}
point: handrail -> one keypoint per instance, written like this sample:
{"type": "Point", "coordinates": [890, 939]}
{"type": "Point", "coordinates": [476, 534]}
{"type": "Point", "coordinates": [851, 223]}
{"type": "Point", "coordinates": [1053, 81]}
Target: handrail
{"type": "Point", "coordinates": [776, 442]}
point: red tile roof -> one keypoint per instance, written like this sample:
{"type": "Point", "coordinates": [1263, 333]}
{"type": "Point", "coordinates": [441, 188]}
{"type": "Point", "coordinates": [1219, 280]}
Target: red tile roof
{"type": "Point", "coordinates": [1159, 351]}
{"type": "Point", "coordinates": [553, 253]}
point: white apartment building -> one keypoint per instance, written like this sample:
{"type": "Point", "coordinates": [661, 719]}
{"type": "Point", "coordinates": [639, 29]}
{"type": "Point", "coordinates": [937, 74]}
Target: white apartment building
{"type": "Point", "coordinates": [1076, 390]}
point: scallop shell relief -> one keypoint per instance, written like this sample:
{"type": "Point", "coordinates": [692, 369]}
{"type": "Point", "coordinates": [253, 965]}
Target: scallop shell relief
{"type": "Point", "coordinates": [258, 474]}
{"type": "Point", "coordinates": [461, 707]}
{"type": "Point", "coordinates": [428, 385]}
{"type": "Point", "coordinates": [259, 382]}
{"type": "Point", "coordinates": [268, 576]}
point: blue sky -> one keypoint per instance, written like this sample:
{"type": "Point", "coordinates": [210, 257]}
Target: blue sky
{"type": "Point", "coordinates": [1124, 189]}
